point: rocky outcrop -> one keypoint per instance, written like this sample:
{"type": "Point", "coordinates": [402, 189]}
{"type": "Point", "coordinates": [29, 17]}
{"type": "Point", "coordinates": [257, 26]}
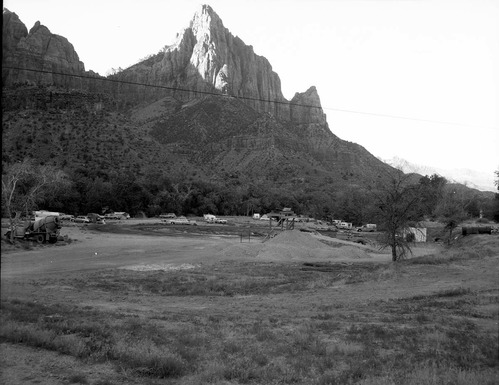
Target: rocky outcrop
{"type": "Point", "coordinates": [13, 30]}
{"type": "Point", "coordinates": [39, 50]}
{"type": "Point", "coordinates": [206, 57]}
{"type": "Point", "coordinates": [306, 107]}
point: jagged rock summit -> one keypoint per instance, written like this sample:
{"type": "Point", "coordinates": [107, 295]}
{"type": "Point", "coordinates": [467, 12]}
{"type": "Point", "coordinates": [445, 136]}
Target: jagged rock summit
{"type": "Point", "coordinates": [38, 49]}
{"type": "Point", "coordinates": [206, 57]}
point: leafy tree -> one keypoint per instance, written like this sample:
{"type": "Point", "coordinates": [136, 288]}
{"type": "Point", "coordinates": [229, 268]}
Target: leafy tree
{"type": "Point", "coordinates": [399, 206]}
{"type": "Point", "coordinates": [451, 211]}
{"type": "Point", "coordinates": [25, 184]}
{"type": "Point", "coordinates": [432, 190]}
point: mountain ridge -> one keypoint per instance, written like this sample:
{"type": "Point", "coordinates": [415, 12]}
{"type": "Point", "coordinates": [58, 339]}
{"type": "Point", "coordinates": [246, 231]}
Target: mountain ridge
{"type": "Point", "coordinates": [471, 178]}
{"type": "Point", "coordinates": [206, 108]}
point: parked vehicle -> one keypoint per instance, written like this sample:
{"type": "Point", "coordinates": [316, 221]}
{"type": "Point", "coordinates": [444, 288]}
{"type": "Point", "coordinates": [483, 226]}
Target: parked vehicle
{"type": "Point", "coordinates": [121, 215]}
{"type": "Point", "coordinates": [81, 219]}
{"type": "Point", "coordinates": [44, 213]}
{"type": "Point", "coordinates": [96, 218]}
{"type": "Point", "coordinates": [42, 230]}
{"type": "Point", "coordinates": [256, 216]}
{"type": "Point", "coordinates": [66, 217]}
{"type": "Point", "coordinates": [179, 221]}
{"type": "Point", "coordinates": [209, 218]}
{"type": "Point", "coordinates": [169, 215]}
{"type": "Point", "coordinates": [345, 225]}
{"type": "Point", "coordinates": [370, 227]}
{"type": "Point", "coordinates": [264, 217]}
{"type": "Point", "coordinates": [117, 215]}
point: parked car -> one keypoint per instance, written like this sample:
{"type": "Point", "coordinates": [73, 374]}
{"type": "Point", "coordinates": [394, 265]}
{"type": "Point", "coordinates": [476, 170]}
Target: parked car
{"type": "Point", "coordinates": [66, 217]}
{"type": "Point", "coordinates": [264, 217]}
{"type": "Point", "coordinates": [96, 218]}
{"type": "Point", "coordinates": [121, 215]}
{"type": "Point", "coordinates": [81, 219]}
{"type": "Point", "coordinates": [179, 221]}
{"type": "Point", "coordinates": [370, 227]}
{"type": "Point", "coordinates": [167, 216]}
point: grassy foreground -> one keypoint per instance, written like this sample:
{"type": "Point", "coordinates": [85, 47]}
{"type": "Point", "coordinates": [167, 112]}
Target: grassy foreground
{"type": "Point", "coordinates": [257, 335]}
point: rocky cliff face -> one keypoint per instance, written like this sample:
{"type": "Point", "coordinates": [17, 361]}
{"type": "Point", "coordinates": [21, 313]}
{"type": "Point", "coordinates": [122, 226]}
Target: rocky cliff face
{"type": "Point", "coordinates": [246, 126]}
{"type": "Point", "coordinates": [39, 49]}
{"type": "Point", "coordinates": [206, 57]}
{"type": "Point", "coordinates": [13, 30]}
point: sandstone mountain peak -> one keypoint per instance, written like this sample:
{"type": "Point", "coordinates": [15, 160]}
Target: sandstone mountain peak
{"type": "Point", "coordinates": [205, 19]}
{"type": "Point", "coordinates": [25, 52]}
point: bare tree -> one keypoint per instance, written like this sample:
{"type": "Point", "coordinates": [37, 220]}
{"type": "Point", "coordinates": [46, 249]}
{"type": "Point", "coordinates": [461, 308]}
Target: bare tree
{"type": "Point", "coordinates": [24, 184]}
{"type": "Point", "coordinates": [398, 202]}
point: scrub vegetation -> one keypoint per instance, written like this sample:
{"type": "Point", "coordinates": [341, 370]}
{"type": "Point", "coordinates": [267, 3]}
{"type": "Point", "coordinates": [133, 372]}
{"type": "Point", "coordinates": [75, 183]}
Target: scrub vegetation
{"type": "Point", "coordinates": [269, 323]}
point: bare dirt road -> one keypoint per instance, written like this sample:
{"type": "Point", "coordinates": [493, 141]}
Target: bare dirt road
{"type": "Point", "coordinates": [94, 250]}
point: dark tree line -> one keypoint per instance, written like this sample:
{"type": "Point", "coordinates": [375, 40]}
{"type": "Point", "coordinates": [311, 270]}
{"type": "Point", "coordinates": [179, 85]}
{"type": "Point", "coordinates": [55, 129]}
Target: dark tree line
{"type": "Point", "coordinates": [156, 192]}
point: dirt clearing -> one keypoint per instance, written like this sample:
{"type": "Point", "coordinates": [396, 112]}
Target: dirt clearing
{"type": "Point", "coordinates": [128, 307]}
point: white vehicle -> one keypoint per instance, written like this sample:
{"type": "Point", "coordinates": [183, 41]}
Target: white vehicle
{"type": "Point", "coordinates": [81, 219]}
{"type": "Point", "coordinates": [179, 221]}
{"type": "Point", "coordinates": [209, 218]}
{"type": "Point", "coordinates": [44, 213]}
{"type": "Point", "coordinates": [370, 227]}
{"type": "Point", "coordinates": [265, 217]}
{"type": "Point", "coordinates": [121, 215]}
{"type": "Point", "coordinates": [256, 216]}
{"type": "Point", "coordinates": [345, 225]}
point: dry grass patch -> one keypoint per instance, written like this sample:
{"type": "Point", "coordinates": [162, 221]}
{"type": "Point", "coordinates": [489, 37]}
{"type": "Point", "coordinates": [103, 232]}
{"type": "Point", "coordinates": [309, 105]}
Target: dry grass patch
{"type": "Point", "coordinates": [424, 339]}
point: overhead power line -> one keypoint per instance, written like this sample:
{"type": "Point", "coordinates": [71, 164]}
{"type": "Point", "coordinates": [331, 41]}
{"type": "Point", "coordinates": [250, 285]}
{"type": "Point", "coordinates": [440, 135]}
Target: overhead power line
{"type": "Point", "coordinates": [104, 79]}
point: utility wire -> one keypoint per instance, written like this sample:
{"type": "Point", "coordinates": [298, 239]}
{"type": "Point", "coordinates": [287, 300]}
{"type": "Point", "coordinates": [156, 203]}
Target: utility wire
{"type": "Point", "coordinates": [104, 79]}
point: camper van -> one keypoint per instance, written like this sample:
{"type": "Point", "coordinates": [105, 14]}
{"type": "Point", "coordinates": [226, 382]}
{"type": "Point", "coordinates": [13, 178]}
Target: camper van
{"type": "Point", "coordinates": [345, 225]}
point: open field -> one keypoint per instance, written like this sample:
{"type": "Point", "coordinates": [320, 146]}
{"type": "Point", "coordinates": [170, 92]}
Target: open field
{"type": "Point", "coordinates": [138, 302]}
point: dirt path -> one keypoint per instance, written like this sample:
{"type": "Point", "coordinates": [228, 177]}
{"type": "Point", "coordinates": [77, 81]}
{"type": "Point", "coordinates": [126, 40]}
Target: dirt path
{"type": "Point", "coordinates": [94, 250]}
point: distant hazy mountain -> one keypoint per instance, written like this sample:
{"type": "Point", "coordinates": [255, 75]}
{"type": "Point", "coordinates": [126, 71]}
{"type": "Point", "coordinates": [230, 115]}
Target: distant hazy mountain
{"type": "Point", "coordinates": [472, 178]}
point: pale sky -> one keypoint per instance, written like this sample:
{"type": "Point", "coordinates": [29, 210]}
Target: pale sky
{"type": "Point", "coordinates": [435, 61]}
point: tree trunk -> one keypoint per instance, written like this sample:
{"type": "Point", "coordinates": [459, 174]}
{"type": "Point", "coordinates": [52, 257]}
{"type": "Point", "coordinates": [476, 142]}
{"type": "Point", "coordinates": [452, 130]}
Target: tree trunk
{"type": "Point", "coordinates": [394, 253]}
